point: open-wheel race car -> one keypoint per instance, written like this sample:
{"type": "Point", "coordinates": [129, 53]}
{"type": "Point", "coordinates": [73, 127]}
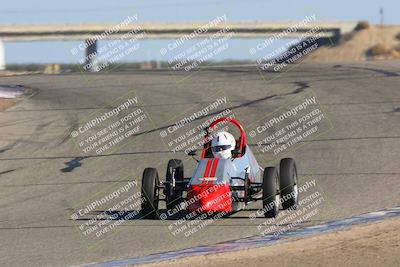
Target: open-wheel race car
{"type": "Point", "coordinates": [222, 184]}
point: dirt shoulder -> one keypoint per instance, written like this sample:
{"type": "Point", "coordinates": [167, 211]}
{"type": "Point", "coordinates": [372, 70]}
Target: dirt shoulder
{"type": "Point", "coordinates": [375, 244]}
{"type": "Point", "coordinates": [6, 103]}
{"type": "Point", "coordinates": [10, 95]}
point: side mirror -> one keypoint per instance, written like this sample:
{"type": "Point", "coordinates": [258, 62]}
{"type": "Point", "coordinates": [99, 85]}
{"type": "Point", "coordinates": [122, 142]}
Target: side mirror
{"type": "Point", "coordinates": [236, 152]}
{"type": "Point", "coordinates": [192, 153]}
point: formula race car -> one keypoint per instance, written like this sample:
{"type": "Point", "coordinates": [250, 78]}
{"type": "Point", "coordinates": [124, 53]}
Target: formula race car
{"type": "Point", "coordinates": [222, 184]}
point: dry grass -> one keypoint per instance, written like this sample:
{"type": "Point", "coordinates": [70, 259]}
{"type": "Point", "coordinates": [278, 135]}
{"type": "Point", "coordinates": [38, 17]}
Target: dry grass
{"type": "Point", "coordinates": [379, 50]}
{"type": "Point", "coordinates": [362, 25]}
{"type": "Point", "coordinates": [374, 43]}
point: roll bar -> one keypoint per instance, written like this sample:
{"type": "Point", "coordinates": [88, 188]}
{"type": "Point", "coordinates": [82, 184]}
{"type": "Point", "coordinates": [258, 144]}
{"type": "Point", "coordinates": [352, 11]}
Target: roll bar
{"type": "Point", "coordinates": [241, 142]}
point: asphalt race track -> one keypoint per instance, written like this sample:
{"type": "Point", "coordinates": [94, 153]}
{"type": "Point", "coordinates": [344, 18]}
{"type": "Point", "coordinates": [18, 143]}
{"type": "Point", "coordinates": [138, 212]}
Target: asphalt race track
{"type": "Point", "coordinates": [43, 177]}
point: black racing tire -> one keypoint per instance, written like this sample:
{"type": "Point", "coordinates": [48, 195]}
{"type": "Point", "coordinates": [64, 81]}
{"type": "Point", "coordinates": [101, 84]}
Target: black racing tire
{"type": "Point", "coordinates": [150, 183]}
{"type": "Point", "coordinates": [173, 197]}
{"type": "Point", "coordinates": [270, 192]}
{"type": "Point", "coordinates": [288, 183]}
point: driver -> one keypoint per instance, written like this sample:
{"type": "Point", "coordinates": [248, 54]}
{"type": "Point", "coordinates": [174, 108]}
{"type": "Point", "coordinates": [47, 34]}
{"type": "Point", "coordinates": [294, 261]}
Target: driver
{"type": "Point", "coordinates": [222, 145]}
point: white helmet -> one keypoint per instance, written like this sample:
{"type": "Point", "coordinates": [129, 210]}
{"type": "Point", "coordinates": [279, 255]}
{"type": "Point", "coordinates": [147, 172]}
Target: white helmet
{"type": "Point", "coordinates": [222, 145]}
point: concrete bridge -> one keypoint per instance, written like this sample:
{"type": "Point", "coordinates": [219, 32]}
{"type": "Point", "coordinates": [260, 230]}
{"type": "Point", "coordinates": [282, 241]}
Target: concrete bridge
{"type": "Point", "coordinates": [91, 33]}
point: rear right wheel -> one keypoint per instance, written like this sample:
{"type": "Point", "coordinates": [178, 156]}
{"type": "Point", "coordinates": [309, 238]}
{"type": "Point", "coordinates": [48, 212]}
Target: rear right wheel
{"type": "Point", "coordinates": [270, 192]}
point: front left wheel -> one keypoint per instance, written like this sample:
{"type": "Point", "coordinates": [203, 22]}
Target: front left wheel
{"type": "Point", "coordinates": [173, 177]}
{"type": "Point", "coordinates": [150, 184]}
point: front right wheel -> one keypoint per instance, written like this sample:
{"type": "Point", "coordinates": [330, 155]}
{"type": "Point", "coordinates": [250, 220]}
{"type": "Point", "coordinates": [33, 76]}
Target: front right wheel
{"type": "Point", "coordinates": [288, 183]}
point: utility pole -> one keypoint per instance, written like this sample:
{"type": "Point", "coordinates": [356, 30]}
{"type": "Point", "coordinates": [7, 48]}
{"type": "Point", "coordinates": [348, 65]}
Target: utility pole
{"type": "Point", "coordinates": [381, 15]}
{"type": "Point", "coordinates": [91, 55]}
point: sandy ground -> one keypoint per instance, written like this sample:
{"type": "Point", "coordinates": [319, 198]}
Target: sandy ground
{"type": "Point", "coordinates": [4, 73]}
{"type": "Point", "coordinates": [367, 245]}
{"type": "Point", "coordinates": [5, 103]}
{"type": "Point", "coordinates": [355, 46]}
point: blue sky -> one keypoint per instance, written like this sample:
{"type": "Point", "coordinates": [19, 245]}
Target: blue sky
{"type": "Point", "coordinates": [90, 11]}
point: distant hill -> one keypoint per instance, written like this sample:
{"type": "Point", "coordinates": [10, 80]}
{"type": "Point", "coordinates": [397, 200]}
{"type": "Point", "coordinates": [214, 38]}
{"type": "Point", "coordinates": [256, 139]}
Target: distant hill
{"type": "Point", "coordinates": [365, 43]}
